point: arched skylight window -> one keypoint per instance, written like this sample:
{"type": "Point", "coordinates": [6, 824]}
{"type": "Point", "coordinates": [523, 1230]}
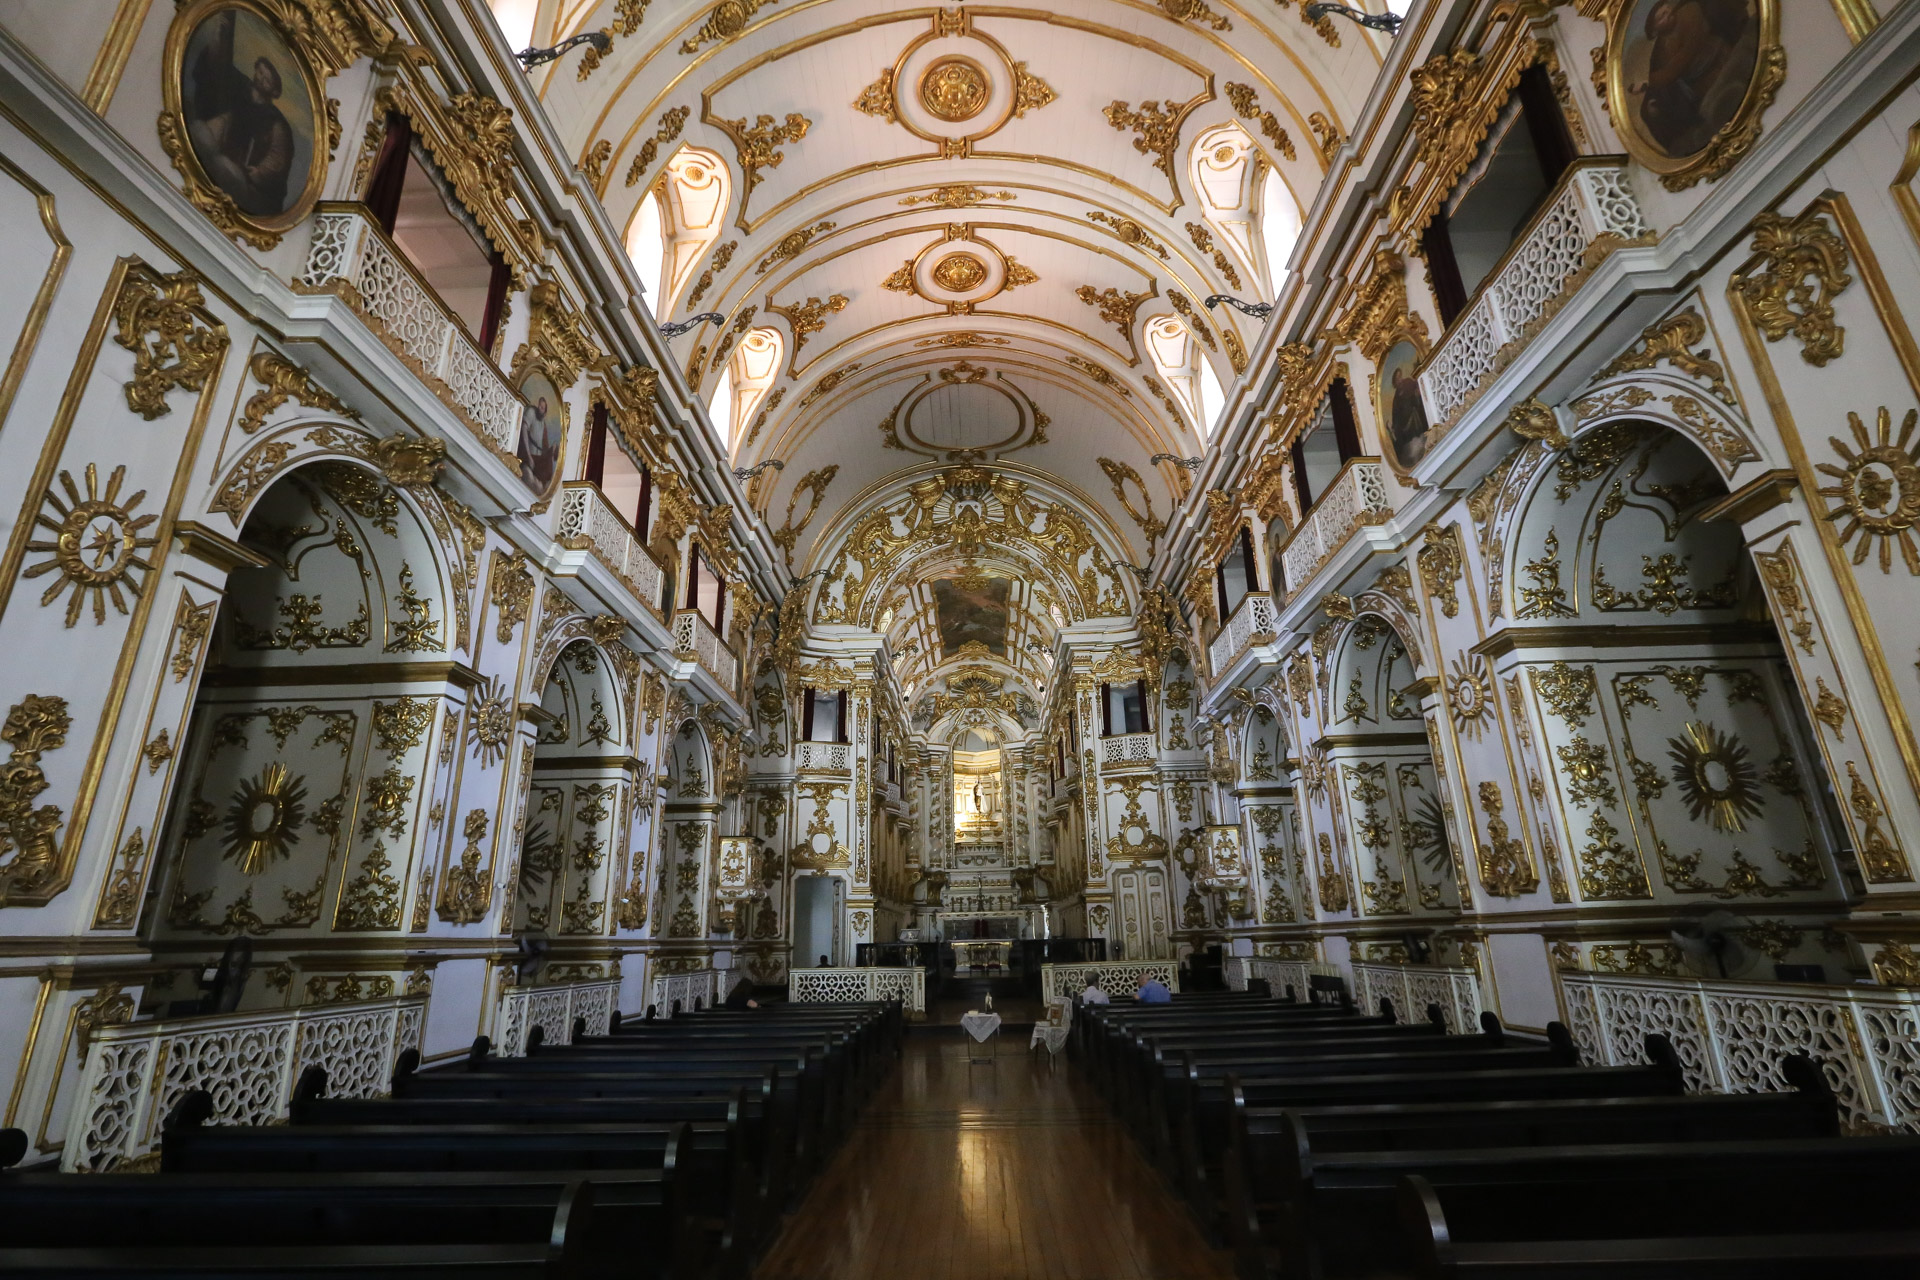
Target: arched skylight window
{"type": "Point", "coordinates": [516, 18]}
{"type": "Point", "coordinates": [647, 245]}
{"type": "Point", "coordinates": [1225, 163]}
{"type": "Point", "coordinates": [676, 222]}
{"type": "Point", "coordinates": [1177, 358]}
{"type": "Point", "coordinates": [744, 382]}
{"type": "Point", "coordinates": [1279, 227]}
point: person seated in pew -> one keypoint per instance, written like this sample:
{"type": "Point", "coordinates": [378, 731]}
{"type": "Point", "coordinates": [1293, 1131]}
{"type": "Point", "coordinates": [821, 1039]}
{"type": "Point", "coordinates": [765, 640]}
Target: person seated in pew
{"type": "Point", "coordinates": [741, 997]}
{"type": "Point", "coordinates": [1093, 994]}
{"type": "Point", "coordinates": [1153, 991]}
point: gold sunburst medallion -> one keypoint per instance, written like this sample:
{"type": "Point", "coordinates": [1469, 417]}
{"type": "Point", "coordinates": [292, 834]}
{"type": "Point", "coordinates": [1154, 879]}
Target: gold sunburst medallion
{"type": "Point", "coordinates": [959, 273]}
{"type": "Point", "coordinates": [955, 89]}
{"type": "Point", "coordinates": [1876, 493]}
{"type": "Point", "coordinates": [98, 548]}
{"type": "Point", "coordinates": [264, 817]}
{"type": "Point", "coordinates": [1716, 777]}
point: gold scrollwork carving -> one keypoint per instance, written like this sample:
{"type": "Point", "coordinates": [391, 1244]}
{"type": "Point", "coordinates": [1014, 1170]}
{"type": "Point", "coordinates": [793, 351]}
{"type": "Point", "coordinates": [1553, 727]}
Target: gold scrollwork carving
{"type": "Point", "coordinates": [281, 380]}
{"type": "Point", "coordinates": [175, 341]}
{"type": "Point", "coordinates": [1803, 267]}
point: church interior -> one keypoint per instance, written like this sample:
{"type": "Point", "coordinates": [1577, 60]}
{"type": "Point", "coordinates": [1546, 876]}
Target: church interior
{"type": "Point", "coordinates": [1348, 714]}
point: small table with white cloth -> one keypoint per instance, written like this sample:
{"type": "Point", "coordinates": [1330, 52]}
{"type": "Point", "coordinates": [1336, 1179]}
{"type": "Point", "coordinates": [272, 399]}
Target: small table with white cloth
{"type": "Point", "coordinates": [984, 1028]}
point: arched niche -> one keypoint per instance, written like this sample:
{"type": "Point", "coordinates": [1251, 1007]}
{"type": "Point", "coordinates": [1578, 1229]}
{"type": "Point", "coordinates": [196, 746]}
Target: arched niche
{"type": "Point", "coordinates": [1389, 820]}
{"type": "Point", "coordinates": [579, 875]}
{"type": "Point", "coordinates": [323, 737]}
{"type": "Point", "coordinates": [1651, 697]}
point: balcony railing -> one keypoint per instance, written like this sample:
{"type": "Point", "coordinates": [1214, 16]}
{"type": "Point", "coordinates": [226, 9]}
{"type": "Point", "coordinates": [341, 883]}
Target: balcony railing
{"type": "Point", "coordinates": [1128, 748]}
{"type": "Point", "coordinates": [1412, 988]}
{"type": "Point", "coordinates": [816, 757]}
{"type": "Point", "coordinates": [589, 523]}
{"type": "Point", "coordinates": [552, 1009]}
{"type": "Point", "coordinates": [1732, 1036]}
{"type": "Point", "coordinates": [908, 986]}
{"type": "Point", "coordinates": [1357, 496]}
{"type": "Point", "coordinates": [694, 637]}
{"type": "Point", "coordinates": [353, 259]}
{"type": "Point", "coordinates": [1256, 616]}
{"type": "Point", "coordinates": [248, 1062]}
{"type": "Point", "coordinates": [668, 989]}
{"type": "Point", "coordinates": [1593, 209]}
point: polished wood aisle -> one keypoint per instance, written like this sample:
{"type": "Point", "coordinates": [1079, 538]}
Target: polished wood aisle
{"type": "Point", "coordinates": [1014, 1171]}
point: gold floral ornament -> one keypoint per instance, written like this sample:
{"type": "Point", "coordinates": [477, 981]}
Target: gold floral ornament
{"type": "Point", "coordinates": [1803, 268]}
{"type": "Point", "coordinates": [1716, 776]}
{"type": "Point", "coordinates": [34, 726]}
{"type": "Point", "coordinates": [162, 320]}
{"type": "Point", "coordinates": [98, 546]}
{"type": "Point", "coordinates": [1877, 491]}
{"type": "Point", "coordinates": [264, 817]}
{"type": "Point", "coordinates": [959, 273]}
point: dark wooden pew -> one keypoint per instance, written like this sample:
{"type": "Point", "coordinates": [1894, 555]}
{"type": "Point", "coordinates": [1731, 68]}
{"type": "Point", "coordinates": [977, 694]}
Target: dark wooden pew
{"type": "Point", "coordinates": [1753, 1210]}
{"type": "Point", "coordinates": [538, 1223]}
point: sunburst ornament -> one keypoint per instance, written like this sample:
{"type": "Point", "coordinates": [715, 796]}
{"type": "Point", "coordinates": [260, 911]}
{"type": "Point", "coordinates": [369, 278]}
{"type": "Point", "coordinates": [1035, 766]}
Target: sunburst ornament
{"type": "Point", "coordinates": [98, 547]}
{"type": "Point", "coordinates": [1470, 695]}
{"type": "Point", "coordinates": [1717, 780]}
{"type": "Point", "coordinates": [263, 817]}
{"type": "Point", "coordinates": [1877, 493]}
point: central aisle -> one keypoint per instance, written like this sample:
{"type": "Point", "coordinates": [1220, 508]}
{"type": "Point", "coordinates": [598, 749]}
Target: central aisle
{"type": "Point", "coordinates": [1001, 1172]}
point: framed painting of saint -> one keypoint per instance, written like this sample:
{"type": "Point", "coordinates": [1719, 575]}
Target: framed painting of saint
{"type": "Point", "coordinates": [245, 122]}
{"type": "Point", "coordinates": [1688, 80]}
{"type": "Point", "coordinates": [543, 433]}
{"type": "Point", "coordinates": [1402, 414]}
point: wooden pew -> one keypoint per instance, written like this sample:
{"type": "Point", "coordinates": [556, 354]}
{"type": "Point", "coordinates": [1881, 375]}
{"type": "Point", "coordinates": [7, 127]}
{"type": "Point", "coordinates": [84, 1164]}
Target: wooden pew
{"type": "Point", "coordinates": [1273, 1150]}
{"type": "Point", "coordinates": [442, 1224]}
{"type": "Point", "coordinates": [1754, 1210]}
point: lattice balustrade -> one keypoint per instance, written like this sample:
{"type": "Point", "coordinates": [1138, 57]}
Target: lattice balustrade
{"type": "Point", "coordinates": [1280, 974]}
{"type": "Point", "coordinates": [350, 257]}
{"type": "Point", "coordinates": [588, 520]}
{"type": "Point", "coordinates": [693, 635]}
{"type": "Point", "coordinates": [1594, 201]}
{"type": "Point", "coordinates": [553, 1009]}
{"type": "Point", "coordinates": [1117, 977]}
{"type": "Point", "coordinates": [1732, 1036]}
{"type": "Point", "coordinates": [813, 757]}
{"type": "Point", "coordinates": [907, 985]}
{"type": "Point", "coordinates": [247, 1063]}
{"type": "Point", "coordinates": [1412, 988]}
{"type": "Point", "coordinates": [1255, 616]}
{"type": "Point", "coordinates": [666, 988]}
{"type": "Point", "coordinates": [1128, 748]}
{"type": "Point", "coordinates": [1357, 496]}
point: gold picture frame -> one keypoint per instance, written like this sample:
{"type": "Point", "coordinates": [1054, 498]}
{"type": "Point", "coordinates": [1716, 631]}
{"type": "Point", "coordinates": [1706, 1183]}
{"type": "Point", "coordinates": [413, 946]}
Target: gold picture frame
{"type": "Point", "coordinates": [1698, 124]}
{"type": "Point", "coordinates": [245, 119]}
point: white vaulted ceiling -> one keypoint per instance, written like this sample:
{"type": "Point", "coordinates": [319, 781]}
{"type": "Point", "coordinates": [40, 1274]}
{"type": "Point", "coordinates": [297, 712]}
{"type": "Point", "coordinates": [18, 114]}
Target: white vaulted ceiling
{"type": "Point", "coordinates": [960, 220]}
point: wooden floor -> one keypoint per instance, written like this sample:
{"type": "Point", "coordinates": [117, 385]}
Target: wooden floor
{"type": "Point", "coordinates": [1013, 1170]}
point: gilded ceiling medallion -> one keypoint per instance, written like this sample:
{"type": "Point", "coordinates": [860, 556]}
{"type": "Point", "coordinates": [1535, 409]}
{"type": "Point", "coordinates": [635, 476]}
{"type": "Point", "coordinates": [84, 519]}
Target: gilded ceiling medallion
{"type": "Point", "coordinates": [959, 273]}
{"type": "Point", "coordinates": [955, 89]}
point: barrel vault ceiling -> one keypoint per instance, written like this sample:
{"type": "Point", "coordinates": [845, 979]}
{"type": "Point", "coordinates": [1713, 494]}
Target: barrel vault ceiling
{"type": "Point", "coordinates": [960, 220]}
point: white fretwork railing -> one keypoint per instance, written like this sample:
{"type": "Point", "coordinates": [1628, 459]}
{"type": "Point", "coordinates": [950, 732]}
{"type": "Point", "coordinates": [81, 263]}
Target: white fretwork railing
{"type": "Point", "coordinates": [907, 985]}
{"type": "Point", "coordinates": [1255, 616]}
{"type": "Point", "coordinates": [248, 1062]}
{"type": "Point", "coordinates": [1732, 1036]}
{"type": "Point", "coordinates": [1357, 496]}
{"type": "Point", "coordinates": [1128, 748]}
{"type": "Point", "coordinates": [701, 984]}
{"type": "Point", "coordinates": [588, 522]}
{"type": "Point", "coordinates": [353, 259]}
{"type": "Point", "coordinates": [1280, 974]}
{"type": "Point", "coordinates": [1593, 210]}
{"type": "Point", "coordinates": [1117, 977]}
{"type": "Point", "coordinates": [816, 757]}
{"type": "Point", "coordinates": [1413, 987]}
{"type": "Point", "coordinates": [552, 1009]}
{"type": "Point", "coordinates": [694, 637]}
